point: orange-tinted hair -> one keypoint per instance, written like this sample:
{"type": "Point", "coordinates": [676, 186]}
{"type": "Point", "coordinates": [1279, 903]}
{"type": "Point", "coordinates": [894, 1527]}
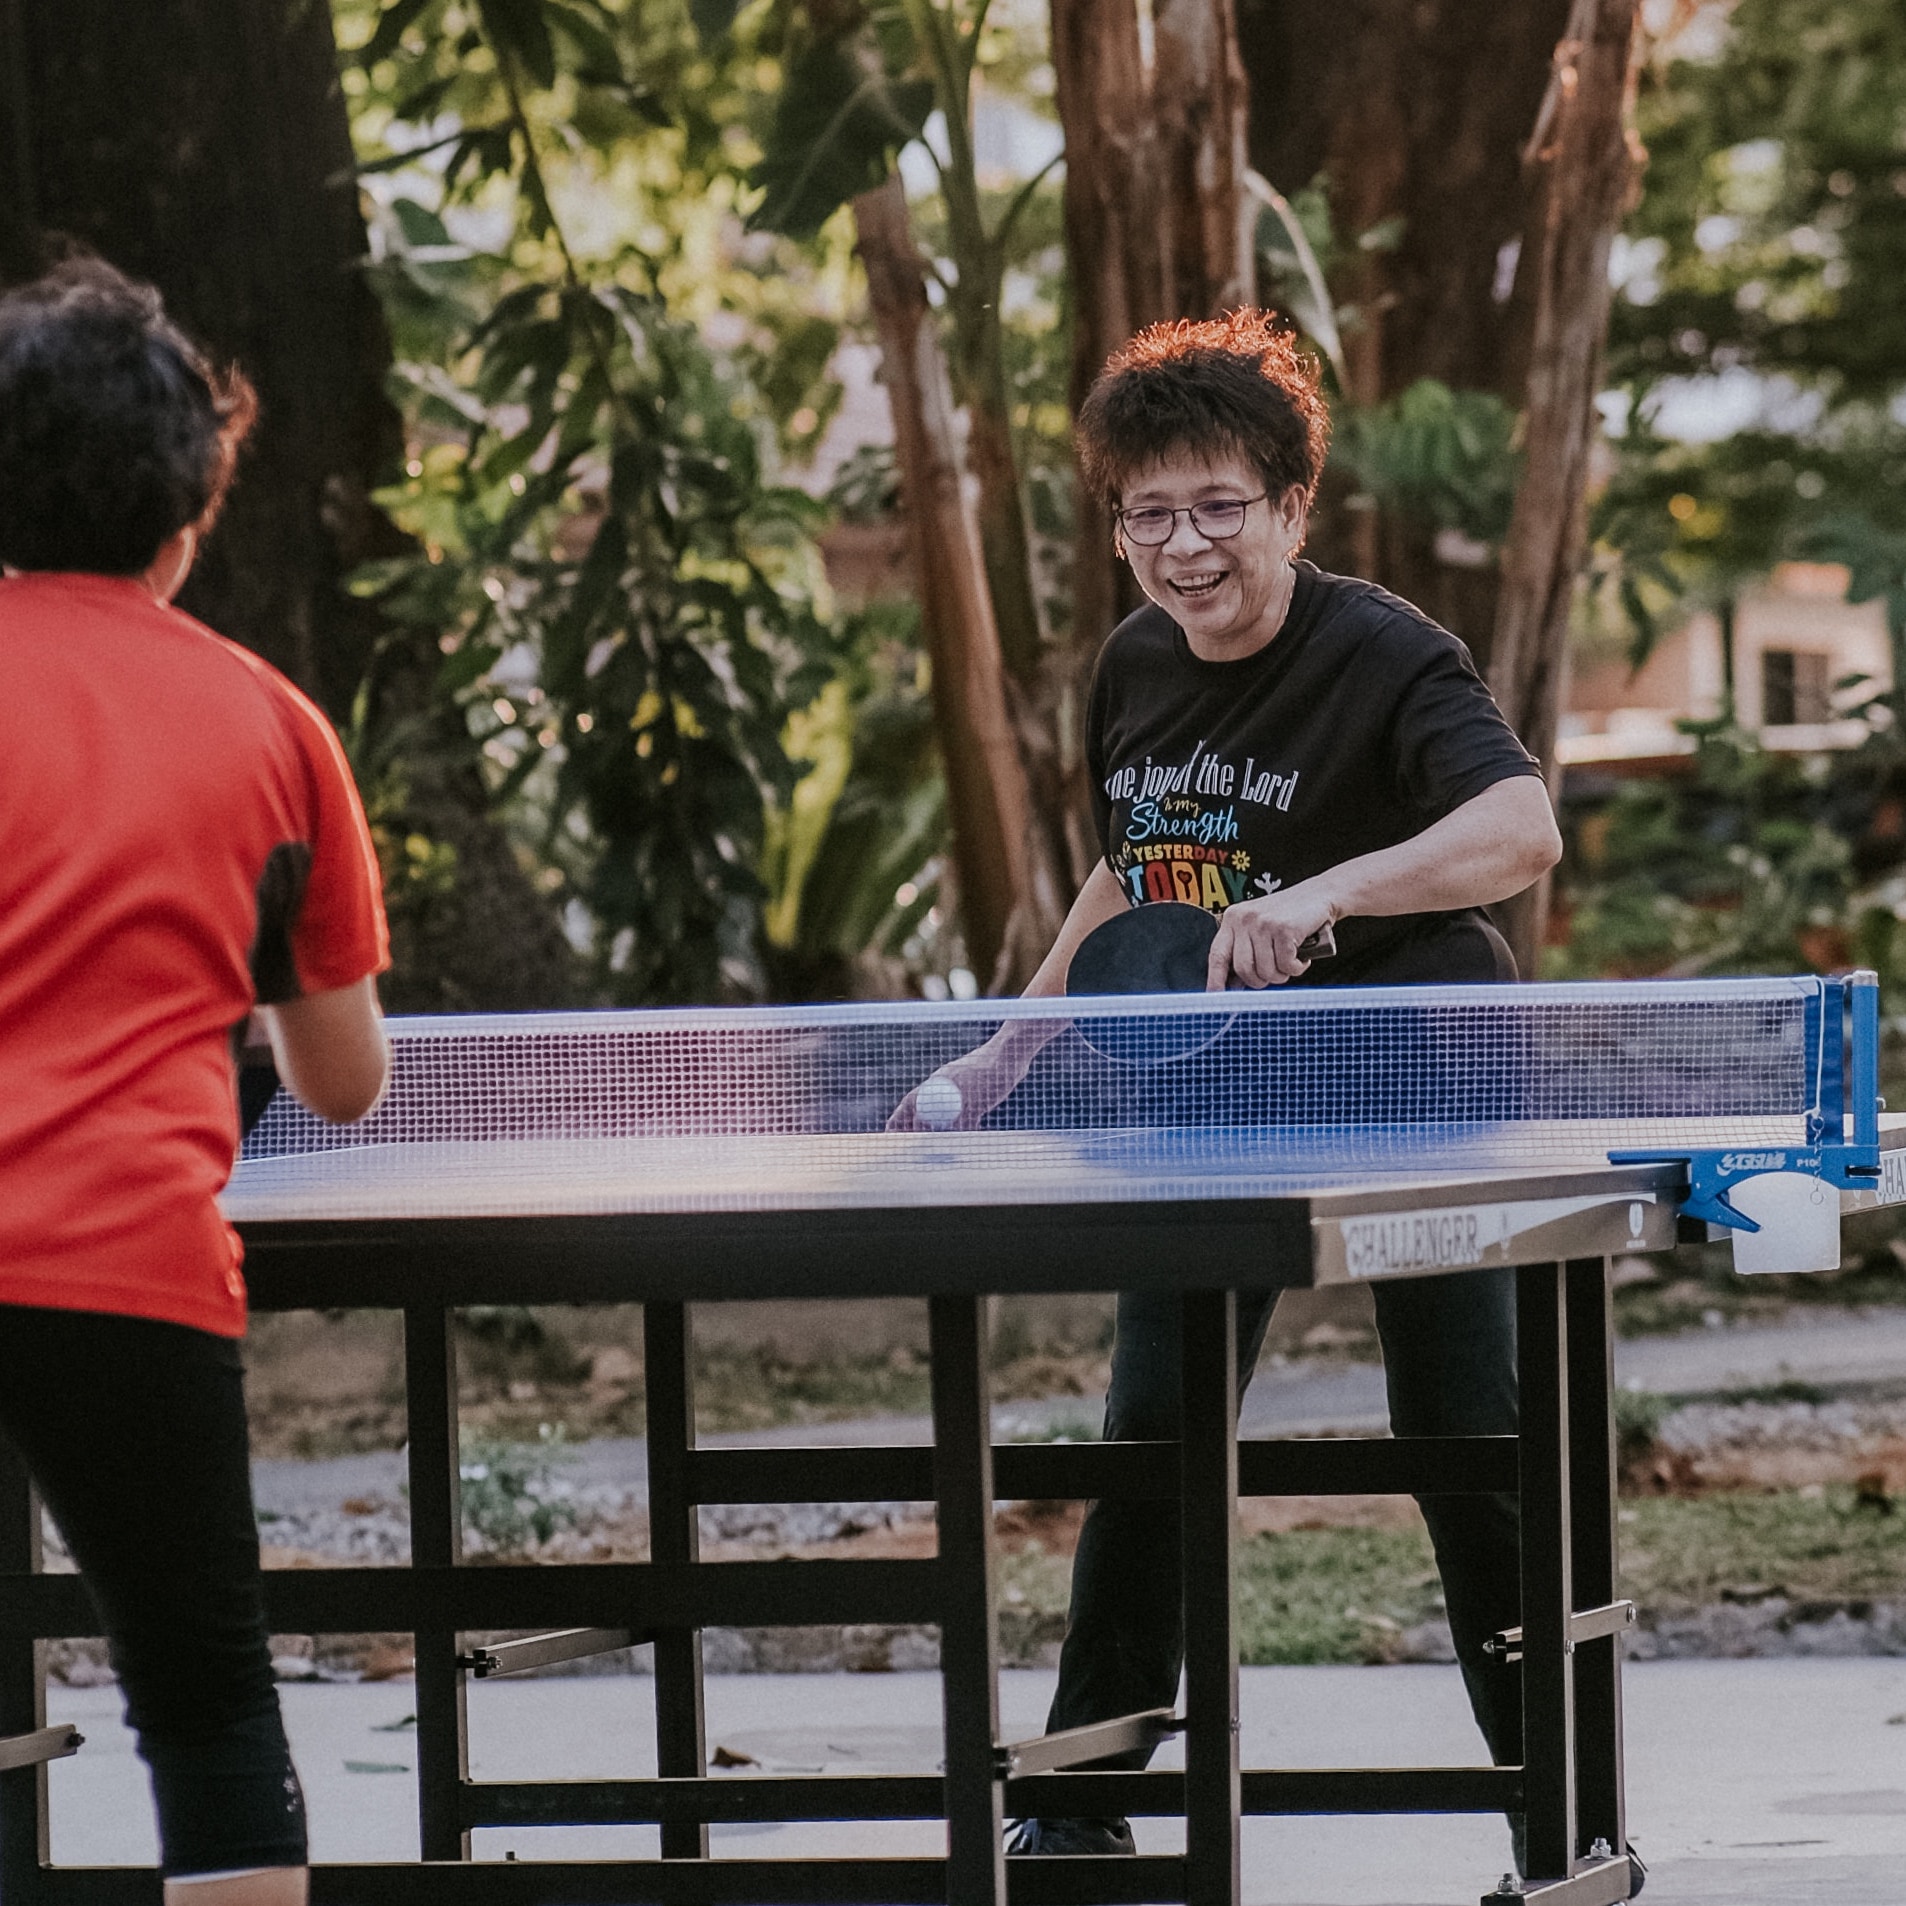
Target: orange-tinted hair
{"type": "Point", "coordinates": [1235, 386]}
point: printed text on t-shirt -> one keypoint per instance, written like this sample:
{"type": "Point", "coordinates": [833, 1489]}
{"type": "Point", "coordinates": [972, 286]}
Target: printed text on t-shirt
{"type": "Point", "coordinates": [1203, 774]}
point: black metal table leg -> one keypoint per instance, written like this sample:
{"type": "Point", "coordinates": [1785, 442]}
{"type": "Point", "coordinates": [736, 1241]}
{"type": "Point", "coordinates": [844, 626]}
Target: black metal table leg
{"type": "Point", "coordinates": [969, 1659]}
{"type": "Point", "coordinates": [1591, 1389]}
{"type": "Point", "coordinates": [1548, 1690]}
{"type": "Point", "coordinates": [23, 1818]}
{"type": "Point", "coordinates": [436, 1540]}
{"type": "Point", "coordinates": [681, 1729]}
{"type": "Point", "coordinates": [1209, 1495]}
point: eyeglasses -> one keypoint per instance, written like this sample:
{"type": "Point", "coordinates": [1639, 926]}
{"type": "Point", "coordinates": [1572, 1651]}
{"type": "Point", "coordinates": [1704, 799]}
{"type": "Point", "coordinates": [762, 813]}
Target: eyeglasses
{"type": "Point", "coordinates": [1215, 521]}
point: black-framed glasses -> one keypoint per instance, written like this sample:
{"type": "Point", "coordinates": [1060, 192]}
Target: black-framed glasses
{"type": "Point", "coordinates": [1216, 521]}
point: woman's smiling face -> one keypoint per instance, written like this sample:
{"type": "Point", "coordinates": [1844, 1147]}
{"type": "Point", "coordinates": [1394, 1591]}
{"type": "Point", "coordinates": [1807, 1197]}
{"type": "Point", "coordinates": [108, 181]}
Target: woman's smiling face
{"type": "Point", "coordinates": [1229, 594]}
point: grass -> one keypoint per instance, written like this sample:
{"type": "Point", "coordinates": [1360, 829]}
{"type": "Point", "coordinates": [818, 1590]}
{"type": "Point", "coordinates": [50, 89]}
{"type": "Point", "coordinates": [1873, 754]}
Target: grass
{"type": "Point", "coordinates": [1344, 1596]}
{"type": "Point", "coordinates": [1696, 1284]}
{"type": "Point", "coordinates": [1309, 1596]}
{"type": "Point", "coordinates": [756, 1387]}
{"type": "Point", "coordinates": [1333, 1595]}
{"type": "Point", "coordinates": [741, 1389]}
{"type": "Point", "coordinates": [1827, 1547]}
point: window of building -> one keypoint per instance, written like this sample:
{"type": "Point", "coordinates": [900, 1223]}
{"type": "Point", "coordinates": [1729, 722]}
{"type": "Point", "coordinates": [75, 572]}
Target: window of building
{"type": "Point", "coordinates": [1795, 686]}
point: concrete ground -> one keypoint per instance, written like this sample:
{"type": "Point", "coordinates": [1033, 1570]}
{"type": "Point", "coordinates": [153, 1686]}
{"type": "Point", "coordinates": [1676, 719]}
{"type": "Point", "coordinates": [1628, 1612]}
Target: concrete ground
{"type": "Point", "coordinates": [1750, 1782]}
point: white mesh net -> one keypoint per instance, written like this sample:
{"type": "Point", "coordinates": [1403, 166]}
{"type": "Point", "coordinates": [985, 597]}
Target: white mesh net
{"type": "Point", "coordinates": [1187, 1096]}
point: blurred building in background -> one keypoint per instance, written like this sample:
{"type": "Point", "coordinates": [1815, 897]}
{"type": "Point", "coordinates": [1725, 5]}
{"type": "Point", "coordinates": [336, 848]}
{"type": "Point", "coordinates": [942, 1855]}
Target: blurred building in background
{"type": "Point", "coordinates": [1800, 657]}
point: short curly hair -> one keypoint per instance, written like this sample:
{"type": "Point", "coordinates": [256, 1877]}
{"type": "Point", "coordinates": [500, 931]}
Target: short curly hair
{"type": "Point", "coordinates": [116, 430]}
{"type": "Point", "coordinates": [1235, 386]}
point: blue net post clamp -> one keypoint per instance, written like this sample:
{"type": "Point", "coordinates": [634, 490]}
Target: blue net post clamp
{"type": "Point", "coordinates": [1846, 1092]}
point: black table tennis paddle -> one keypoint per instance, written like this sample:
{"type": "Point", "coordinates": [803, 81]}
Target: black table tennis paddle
{"type": "Point", "coordinates": [257, 1074]}
{"type": "Point", "coordinates": [1161, 947]}
{"type": "Point", "coordinates": [257, 1087]}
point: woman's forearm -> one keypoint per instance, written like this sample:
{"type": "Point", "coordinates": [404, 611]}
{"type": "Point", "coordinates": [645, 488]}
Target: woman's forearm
{"type": "Point", "coordinates": [989, 1073]}
{"type": "Point", "coordinates": [1098, 901]}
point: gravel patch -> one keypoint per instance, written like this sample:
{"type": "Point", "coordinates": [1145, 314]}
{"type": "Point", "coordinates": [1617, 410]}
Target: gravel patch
{"type": "Point", "coordinates": [594, 1505]}
{"type": "Point", "coordinates": [1708, 1429]}
{"type": "Point", "coordinates": [1772, 1626]}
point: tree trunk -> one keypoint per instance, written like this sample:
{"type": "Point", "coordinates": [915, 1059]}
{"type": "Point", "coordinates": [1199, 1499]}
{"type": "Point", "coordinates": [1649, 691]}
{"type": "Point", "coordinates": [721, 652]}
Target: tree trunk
{"type": "Point", "coordinates": [1157, 225]}
{"type": "Point", "coordinates": [1198, 94]}
{"type": "Point", "coordinates": [204, 145]}
{"type": "Point", "coordinates": [1587, 165]}
{"type": "Point", "coordinates": [1414, 112]}
{"type": "Point", "coordinates": [1008, 925]}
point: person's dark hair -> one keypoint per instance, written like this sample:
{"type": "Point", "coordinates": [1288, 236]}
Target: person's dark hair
{"type": "Point", "coordinates": [1235, 386]}
{"type": "Point", "coordinates": [116, 431]}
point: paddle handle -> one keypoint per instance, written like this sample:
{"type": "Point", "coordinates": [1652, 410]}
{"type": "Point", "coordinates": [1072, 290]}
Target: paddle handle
{"type": "Point", "coordinates": [1320, 946]}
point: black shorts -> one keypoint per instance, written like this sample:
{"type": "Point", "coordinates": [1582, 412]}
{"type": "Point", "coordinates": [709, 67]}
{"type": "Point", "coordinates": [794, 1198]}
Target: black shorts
{"type": "Point", "coordinates": [134, 1433]}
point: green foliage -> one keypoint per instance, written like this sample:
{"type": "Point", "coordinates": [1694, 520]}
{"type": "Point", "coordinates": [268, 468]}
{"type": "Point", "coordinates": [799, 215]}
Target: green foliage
{"type": "Point", "coordinates": [866, 488]}
{"type": "Point", "coordinates": [1759, 275]}
{"type": "Point", "coordinates": [854, 94]}
{"type": "Point", "coordinates": [610, 617]}
{"type": "Point", "coordinates": [1639, 1415]}
{"type": "Point", "coordinates": [1742, 865]}
{"type": "Point", "coordinates": [513, 1494]}
{"type": "Point", "coordinates": [622, 598]}
{"type": "Point", "coordinates": [1682, 522]}
{"type": "Point", "coordinates": [1874, 553]}
{"type": "Point", "coordinates": [726, 787]}
{"type": "Point", "coordinates": [1773, 225]}
{"type": "Point", "coordinates": [1763, 261]}
{"type": "Point", "coordinates": [1443, 458]}
{"type": "Point", "coordinates": [1288, 239]}
{"type": "Point", "coordinates": [839, 121]}
{"type": "Point", "coordinates": [1432, 457]}
{"type": "Point", "coordinates": [855, 862]}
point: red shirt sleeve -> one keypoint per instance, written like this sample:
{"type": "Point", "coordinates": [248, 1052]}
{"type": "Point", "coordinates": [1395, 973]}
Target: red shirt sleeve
{"type": "Point", "coordinates": [340, 935]}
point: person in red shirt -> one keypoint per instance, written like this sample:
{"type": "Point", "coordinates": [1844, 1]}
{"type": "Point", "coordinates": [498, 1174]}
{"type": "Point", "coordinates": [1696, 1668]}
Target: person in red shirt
{"type": "Point", "coordinates": [181, 846]}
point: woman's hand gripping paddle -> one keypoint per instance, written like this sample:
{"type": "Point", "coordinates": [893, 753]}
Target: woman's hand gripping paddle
{"type": "Point", "coordinates": [1162, 947]}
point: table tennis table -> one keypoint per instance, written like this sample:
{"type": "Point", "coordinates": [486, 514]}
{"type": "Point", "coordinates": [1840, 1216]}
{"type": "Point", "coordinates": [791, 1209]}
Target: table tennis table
{"type": "Point", "coordinates": [683, 1157]}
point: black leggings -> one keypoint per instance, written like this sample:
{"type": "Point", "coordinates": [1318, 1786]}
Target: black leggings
{"type": "Point", "coordinates": [134, 1433]}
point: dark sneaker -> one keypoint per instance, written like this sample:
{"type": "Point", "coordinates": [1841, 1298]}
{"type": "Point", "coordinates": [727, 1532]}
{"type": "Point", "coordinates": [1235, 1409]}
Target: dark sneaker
{"type": "Point", "coordinates": [1070, 1836]}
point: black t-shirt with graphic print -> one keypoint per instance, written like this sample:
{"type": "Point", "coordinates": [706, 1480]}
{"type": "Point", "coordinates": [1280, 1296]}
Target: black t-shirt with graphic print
{"type": "Point", "coordinates": [1357, 726]}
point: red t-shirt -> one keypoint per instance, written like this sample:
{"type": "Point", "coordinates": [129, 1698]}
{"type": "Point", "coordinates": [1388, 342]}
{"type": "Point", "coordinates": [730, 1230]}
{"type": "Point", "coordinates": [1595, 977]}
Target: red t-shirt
{"type": "Point", "coordinates": [179, 837]}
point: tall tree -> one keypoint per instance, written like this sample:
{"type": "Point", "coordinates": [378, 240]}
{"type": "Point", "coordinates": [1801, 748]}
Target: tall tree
{"type": "Point", "coordinates": [1477, 163]}
{"type": "Point", "coordinates": [204, 145]}
{"type": "Point", "coordinates": [1413, 115]}
{"type": "Point", "coordinates": [987, 796]}
{"type": "Point", "coordinates": [860, 80]}
{"type": "Point", "coordinates": [1588, 165]}
{"type": "Point", "coordinates": [1158, 221]}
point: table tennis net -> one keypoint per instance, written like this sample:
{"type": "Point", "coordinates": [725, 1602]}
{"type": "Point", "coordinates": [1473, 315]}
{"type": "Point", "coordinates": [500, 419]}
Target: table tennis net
{"type": "Point", "coordinates": [1354, 1079]}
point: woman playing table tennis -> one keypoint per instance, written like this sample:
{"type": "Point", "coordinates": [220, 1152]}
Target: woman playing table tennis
{"type": "Point", "coordinates": [1292, 751]}
{"type": "Point", "coordinates": [180, 843]}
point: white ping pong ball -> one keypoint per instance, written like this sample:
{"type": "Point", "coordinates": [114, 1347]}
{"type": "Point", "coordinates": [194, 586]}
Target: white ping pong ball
{"type": "Point", "coordinates": [938, 1103]}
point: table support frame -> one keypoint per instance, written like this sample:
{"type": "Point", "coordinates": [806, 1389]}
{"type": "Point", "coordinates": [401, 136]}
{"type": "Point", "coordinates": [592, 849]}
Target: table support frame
{"type": "Point", "coordinates": [1563, 1463]}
